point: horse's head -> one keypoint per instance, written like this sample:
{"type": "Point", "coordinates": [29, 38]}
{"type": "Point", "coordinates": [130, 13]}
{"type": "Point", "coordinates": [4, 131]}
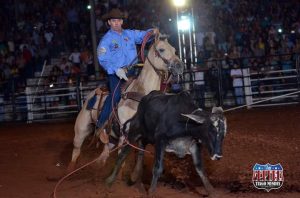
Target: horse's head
{"type": "Point", "coordinates": [163, 58]}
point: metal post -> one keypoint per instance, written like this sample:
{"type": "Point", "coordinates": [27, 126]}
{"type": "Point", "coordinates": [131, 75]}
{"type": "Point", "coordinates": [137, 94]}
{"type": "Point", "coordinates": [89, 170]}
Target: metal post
{"type": "Point", "coordinates": [93, 33]}
{"type": "Point", "coordinates": [298, 73]}
{"type": "Point", "coordinates": [78, 96]}
{"type": "Point", "coordinates": [191, 45]}
{"type": "Point", "coordinates": [194, 38]}
{"type": "Point", "coordinates": [45, 102]}
{"type": "Point", "coordinates": [184, 49]}
{"type": "Point", "coordinates": [16, 3]}
{"type": "Point", "coordinates": [179, 39]}
{"type": "Point", "coordinates": [220, 87]}
{"type": "Point", "coordinates": [13, 99]}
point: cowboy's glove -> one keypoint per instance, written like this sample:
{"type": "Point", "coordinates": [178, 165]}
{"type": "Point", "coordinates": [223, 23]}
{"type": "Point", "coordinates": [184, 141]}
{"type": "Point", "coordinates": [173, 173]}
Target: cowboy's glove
{"type": "Point", "coordinates": [121, 74]}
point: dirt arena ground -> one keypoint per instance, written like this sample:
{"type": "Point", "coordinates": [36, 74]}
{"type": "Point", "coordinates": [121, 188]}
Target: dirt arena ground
{"type": "Point", "coordinates": [33, 153]}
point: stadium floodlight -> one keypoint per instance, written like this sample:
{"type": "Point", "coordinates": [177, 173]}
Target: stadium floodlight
{"type": "Point", "coordinates": [183, 23]}
{"type": "Point", "coordinates": [179, 3]}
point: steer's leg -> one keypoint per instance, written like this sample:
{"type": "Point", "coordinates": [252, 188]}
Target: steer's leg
{"type": "Point", "coordinates": [158, 165]}
{"type": "Point", "coordinates": [121, 157]}
{"type": "Point", "coordinates": [137, 172]}
{"type": "Point", "coordinates": [196, 154]}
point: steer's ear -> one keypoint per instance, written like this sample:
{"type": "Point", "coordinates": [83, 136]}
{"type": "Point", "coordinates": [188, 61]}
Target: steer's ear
{"type": "Point", "coordinates": [196, 118]}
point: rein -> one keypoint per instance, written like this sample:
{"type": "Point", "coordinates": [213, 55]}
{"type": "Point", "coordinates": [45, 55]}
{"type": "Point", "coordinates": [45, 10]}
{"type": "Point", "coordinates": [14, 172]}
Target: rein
{"type": "Point", "coordinates": [134, 95]}
{"type": "Point", "coordinates": [146, 38]}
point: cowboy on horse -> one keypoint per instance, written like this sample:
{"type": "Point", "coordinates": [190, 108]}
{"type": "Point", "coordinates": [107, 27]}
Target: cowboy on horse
{"type": "Point", "coordinates": [116, 54]}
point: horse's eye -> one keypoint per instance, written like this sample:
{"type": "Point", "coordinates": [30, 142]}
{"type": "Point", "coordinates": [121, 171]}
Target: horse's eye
{"type": "Point", "coordinates": [161, 50]}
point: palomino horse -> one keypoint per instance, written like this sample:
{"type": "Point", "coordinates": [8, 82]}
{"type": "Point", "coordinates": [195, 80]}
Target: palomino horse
{"type": "Point", "coordinates": [160, 60]}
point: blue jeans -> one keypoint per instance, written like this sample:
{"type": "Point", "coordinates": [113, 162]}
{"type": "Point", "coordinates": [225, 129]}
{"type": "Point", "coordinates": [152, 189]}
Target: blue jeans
{"type": "Point", "coordinates": [114, 83]}
{"type": "Point", "coordinates": [114, 87]}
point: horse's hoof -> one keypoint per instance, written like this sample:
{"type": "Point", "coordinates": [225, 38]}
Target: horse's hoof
{"type": "Point", "coordinates": [134, 177]}
{"type": "Point", "coordinates": [53, 178]}
{"type": "Point", "coordinates": [71, 168]}
{"type": "Point", "coordinates": [214, 194]}
{"type": "Point", "coordinates": [130, 182]}
{"type": "Point", "coordinates": [211, 192]}
{"type": "Point", "coordinates": [101, 161]}
{"type": "Point", "coordinates": [109, 181]}
{"type": "Point", "coordinates": [141, 188]}
{"type": "Point", "coordinates": [152, 193]}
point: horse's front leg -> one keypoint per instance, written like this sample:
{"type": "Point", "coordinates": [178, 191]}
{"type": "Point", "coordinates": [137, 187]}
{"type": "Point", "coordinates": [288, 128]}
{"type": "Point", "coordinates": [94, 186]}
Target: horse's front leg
{"type": "Point", "coordinates": [105, 153]}
{"type": "Point", "coordinates": [196, 155]}
{"type": "Point", "coordinates": [108, 146]}
{"type": "Point", "coordinates": [81, 132]}
{"type": "Point", "coordinates": [121, 157]}
{"type": "Point", "coordinates": [158, 165]}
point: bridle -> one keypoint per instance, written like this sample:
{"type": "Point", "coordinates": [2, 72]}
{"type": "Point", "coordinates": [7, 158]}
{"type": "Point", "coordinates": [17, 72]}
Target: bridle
{"type": "Point", "coordinates": [157, 53]}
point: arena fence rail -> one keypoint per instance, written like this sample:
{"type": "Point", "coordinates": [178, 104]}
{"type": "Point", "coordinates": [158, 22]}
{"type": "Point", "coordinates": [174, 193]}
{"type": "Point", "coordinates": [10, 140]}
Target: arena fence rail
{"type": "Point", "coordinates": [211, 83]}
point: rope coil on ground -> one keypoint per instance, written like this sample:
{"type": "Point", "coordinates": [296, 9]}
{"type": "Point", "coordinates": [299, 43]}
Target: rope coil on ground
{"type": "Point", "coordinates": [83, 166]}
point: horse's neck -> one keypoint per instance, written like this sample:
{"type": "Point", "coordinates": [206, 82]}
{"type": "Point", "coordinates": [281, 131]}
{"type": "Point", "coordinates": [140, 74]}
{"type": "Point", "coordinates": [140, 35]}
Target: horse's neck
{"type": "Point", "coordinates": [148, 79]}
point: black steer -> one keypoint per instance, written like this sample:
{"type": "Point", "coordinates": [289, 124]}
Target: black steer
{"type": "Point", "coordinates": [173, 124]}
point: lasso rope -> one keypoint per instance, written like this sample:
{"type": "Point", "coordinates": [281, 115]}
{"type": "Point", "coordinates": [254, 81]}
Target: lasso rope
{"type": "Point", "coordinates": [272, 98]}
{"type": "Point", "coordinates": [126, 142]}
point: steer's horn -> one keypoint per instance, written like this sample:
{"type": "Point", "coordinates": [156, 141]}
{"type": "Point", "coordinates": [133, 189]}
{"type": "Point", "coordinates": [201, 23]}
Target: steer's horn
{"type": "Point", "coordinates": [196, 118]}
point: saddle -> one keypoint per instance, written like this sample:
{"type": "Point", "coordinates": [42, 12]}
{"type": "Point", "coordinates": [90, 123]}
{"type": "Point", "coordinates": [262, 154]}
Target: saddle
{"type": "Point", "coordinates": [100, 91]}
{"type": "Point", "coordinates": [104, 133]}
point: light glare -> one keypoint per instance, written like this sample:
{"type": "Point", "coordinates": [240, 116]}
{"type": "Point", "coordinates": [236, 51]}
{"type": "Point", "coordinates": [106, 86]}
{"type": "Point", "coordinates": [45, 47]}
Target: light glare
{"type": "Point", "coordinates": [184, 23]}
{"type": "Point", "coordinates": [179, 3]}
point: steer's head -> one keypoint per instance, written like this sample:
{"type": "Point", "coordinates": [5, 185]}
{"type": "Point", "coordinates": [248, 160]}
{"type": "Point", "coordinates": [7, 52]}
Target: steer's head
{"type": "Point", "coordinates": [210, 130]}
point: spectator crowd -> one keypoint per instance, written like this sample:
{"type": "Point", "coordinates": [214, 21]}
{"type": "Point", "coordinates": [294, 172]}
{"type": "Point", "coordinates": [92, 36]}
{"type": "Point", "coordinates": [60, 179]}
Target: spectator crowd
{"type": "Point", "coordinates": [33, 31]}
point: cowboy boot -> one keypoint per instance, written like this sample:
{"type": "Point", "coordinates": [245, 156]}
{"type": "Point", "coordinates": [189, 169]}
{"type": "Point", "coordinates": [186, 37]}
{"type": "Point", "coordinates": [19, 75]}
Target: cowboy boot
{"type": "Point", "coordinates": [103, 136]}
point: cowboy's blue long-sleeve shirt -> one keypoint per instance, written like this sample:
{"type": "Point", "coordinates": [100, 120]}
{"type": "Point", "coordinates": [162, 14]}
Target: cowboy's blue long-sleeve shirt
{"type": "Point", "coordinates": [117, 50]}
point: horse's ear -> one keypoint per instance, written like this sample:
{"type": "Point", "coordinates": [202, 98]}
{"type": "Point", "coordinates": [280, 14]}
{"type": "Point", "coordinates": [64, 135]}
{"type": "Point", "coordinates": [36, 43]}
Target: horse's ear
{"type": "Point", "coordinates": [157, 37]}
{"type": "Point", "coordinates": [163, 37]}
